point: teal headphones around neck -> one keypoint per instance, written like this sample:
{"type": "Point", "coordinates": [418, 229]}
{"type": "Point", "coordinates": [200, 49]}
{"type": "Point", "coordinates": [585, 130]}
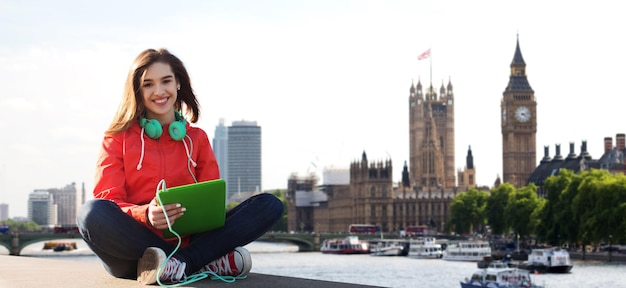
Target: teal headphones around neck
{"type": "Point", "coordinates": [153, 128]}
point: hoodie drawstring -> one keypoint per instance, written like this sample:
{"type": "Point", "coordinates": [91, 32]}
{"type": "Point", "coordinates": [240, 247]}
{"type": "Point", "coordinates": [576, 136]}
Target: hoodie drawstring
{"type": "Point", "coordinates": [142, 149]}
{"type": "Point", "coordinates": [189, 160]}
{"type": "Point", "coordinates": [188, 151]}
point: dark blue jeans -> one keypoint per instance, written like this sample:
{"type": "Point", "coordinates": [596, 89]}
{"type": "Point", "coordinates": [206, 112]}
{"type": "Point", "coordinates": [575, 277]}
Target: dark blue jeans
{"type": "Point", "coordinates": [119, 240]}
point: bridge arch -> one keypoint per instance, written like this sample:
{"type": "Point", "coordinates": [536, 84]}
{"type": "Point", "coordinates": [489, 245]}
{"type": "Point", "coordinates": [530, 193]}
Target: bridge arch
{"type": "Point", "coordinates": [16, 242]}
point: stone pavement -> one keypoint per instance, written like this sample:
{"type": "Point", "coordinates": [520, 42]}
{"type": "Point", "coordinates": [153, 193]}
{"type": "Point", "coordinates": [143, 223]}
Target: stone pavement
{"type": "Point", "coordinates": [39, 272]}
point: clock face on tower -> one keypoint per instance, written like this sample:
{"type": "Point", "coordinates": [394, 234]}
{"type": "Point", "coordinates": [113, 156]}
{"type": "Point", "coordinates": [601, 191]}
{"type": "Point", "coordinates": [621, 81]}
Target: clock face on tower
{"type": "Point", "coordinates": [522, 114]}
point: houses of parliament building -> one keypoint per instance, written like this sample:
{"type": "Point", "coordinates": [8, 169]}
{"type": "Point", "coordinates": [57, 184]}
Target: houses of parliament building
{"type": "Point", "coordinates": [367, 194]}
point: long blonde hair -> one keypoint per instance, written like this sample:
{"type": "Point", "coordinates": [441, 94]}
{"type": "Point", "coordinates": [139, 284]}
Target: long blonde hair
{"type": "Point", "coordinates": [132, 107]}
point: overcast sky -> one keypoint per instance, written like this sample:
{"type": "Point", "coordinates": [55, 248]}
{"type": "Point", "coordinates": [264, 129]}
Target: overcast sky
{"type": "Point", "coordinates": [326, 80]}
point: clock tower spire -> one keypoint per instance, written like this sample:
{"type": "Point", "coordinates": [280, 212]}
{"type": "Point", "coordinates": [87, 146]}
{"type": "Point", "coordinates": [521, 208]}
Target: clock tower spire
{"type": "Point", "coordinates": [519, 124]}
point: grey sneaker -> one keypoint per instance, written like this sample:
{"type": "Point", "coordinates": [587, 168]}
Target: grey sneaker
{"type": "Point", "coordinates": [236, 263]}
{"type": "Point", "coordinates": [149, 263]}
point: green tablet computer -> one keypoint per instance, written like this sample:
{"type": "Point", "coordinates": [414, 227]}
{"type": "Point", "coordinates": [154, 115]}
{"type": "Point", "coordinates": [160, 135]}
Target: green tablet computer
{"type": "Point", "coordinates": [205, 204]}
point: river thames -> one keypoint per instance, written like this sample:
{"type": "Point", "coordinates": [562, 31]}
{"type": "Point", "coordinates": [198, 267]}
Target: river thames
{"type": "Point", "coordinates": [400, 272]}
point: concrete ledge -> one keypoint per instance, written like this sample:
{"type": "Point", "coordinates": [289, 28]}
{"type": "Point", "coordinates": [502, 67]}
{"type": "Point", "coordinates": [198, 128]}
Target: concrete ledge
{"type": "Point", "coordinates": [37, 272]}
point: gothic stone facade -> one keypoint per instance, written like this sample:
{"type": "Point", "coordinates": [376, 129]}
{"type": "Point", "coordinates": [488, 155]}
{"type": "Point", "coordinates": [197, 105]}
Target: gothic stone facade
{"type": "Point", "coordinates": [370, 198]}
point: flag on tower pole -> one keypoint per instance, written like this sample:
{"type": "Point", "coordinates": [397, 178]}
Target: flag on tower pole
{"type": "Point", "coordinates": [424, 55]}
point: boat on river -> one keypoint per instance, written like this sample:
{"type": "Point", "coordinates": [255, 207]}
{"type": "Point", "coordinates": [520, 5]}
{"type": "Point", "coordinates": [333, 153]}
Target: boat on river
{"type": "Point", "coordinates": [425, 247]}
{"type": "Point", "coordinates": [548, 260]}
{"type": "Point", "coordinates": [389, 247]}
{"type": "Point", "coordinates": [59, 246]}
{"type": "Point", "coordinates": [467, 251]}
{"type": "Point", "coordinates": [500, 275]}
{"type": "Point", "coordinates": [347, 245]}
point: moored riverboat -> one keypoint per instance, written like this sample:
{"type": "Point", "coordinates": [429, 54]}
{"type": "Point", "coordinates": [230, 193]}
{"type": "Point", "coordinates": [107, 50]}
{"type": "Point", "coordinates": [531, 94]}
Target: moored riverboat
{"type": "Point", "coordinates": [347, 245]}
{"type": "Point", "coordinates": [500, 275]}
{"type": "Point", "coordinates": [59, 246]}
{"type": "Point", "coordinates": [388, 247]}
{"type": "Point", "coordinates": [548, 260]}
{"type": "Point", "coordinates": [467, 251]}
{"type": "Point", "coordinates": [425, 247]}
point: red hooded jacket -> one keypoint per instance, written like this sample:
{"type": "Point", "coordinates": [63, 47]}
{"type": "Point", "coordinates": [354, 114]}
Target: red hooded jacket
{"type": "Point", "coordinates": [128, 174]}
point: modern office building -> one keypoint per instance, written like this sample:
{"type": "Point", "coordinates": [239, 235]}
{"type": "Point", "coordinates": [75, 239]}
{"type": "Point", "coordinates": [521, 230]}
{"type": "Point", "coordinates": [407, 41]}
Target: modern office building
{"type": "Point", "coordinates": [244, 158]}
{"type": "Point", "coordinates": [41, 208]}
{"type": "Point", "coordinates": [66, 201]}
{"type": "Point", "coordinates": [220, 148]}
{"type": "Point", "coordinates": [50, 207]}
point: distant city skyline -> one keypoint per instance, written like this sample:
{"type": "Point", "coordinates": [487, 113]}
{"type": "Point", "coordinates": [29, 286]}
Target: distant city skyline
{"type": "Point", "coordinates": [326, 80]}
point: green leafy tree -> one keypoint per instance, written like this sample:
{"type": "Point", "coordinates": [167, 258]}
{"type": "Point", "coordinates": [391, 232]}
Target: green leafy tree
{"type": "Point", "coordinates": [549, 226]}
{"type": "Point", "coordinates": [584, 202]}
{"type": "Point", "coordinates": [468, 211]}
{"type": "Point", "coordinates": [611, 193]}
{"type": "Point", "coordinates": [622, 226]}
{"type": "Point", "coordinates": [589, 206]}
{"type": "Point", "coordinates": [535, 216]}
{"type": "Point", "coordinates": [567, 224]}
{"type": "Point", "coordinates": [520, 209]}
{"type": "Point", "coordinates": [599, 203]}
{"type": "Point", "coordinates": [21, 226]}
{"type": "Point", "coordinates": [496, 204]}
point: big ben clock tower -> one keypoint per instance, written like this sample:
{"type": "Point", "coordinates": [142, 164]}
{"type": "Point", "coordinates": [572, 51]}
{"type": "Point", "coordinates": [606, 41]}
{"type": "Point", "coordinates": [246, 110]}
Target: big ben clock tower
{"type": "Point", "coordinates": [519, 125]}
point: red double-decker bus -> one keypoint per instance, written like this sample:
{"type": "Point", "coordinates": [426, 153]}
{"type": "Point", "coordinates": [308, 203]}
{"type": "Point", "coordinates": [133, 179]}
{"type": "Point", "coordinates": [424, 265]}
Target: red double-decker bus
{"type": "Point", "coordinates": [363, 228]}
{"type": "Point", "coordinates": [66, 229]}
{"type": "Point", "coordinates": [418, 230]}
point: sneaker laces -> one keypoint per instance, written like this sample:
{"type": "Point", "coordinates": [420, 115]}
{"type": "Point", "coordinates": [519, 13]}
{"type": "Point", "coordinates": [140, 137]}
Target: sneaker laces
{"type": "Point", "coordinates": [223, 266]}
{"type": "Point", "coordinates": [173, 271]}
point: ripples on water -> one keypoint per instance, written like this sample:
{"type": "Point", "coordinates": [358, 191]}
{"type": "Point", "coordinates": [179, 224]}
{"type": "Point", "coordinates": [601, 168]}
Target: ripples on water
{"type": "Point", "coordinates": [400, 272]}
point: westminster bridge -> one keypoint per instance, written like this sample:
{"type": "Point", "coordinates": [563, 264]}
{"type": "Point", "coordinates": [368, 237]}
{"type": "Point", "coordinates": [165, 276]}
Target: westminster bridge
{"type": "Point", "coordinates": [307, 242]}
{"type": "Point", "coordinates": [15, 242]}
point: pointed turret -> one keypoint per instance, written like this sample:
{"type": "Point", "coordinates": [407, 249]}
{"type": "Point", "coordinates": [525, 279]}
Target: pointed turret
{"type": "Point", "coordinates": [469, 160]}
{"type": "Point", "coordinates": [517, 79]}
{"type": "Point", "coordinates": [431, 95]}
{"type": "Point", "coordinates": [518, 59]}
{"type": "Point", "coordinates": [405, 176]}
{"type": "Point", "coordinates": [442, 90]}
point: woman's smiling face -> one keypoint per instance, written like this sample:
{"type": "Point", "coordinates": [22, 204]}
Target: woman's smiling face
{"type": "Point", "coordinates": [159, 91]}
